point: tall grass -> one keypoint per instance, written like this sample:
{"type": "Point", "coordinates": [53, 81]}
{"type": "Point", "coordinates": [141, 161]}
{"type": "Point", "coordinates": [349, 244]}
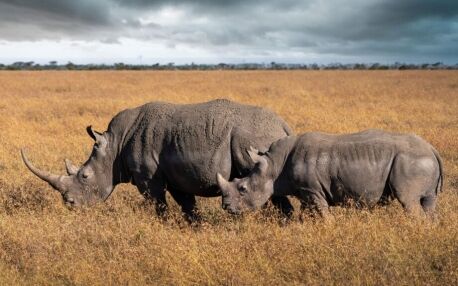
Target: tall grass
{"type": "Point", "coordinates": [122, 241]}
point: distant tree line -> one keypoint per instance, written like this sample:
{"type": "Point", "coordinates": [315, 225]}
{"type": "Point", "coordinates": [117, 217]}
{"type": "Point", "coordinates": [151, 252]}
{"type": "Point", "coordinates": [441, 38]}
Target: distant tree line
{"type": "Point", "coordinates": [53, 65]}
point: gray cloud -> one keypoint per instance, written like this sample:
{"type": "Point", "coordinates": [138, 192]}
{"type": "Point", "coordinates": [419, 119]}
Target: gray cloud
{"type": "Point", "coordinates": [379, 28]}
{"type": "Point", "coordinates": [84, 11]}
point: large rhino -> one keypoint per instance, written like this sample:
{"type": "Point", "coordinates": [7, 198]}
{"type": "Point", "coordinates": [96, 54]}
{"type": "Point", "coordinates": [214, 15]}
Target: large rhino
{"type": "Point", "coordinates": [323, 169]}
{"type": "Point", "coordinates": [163, 146]}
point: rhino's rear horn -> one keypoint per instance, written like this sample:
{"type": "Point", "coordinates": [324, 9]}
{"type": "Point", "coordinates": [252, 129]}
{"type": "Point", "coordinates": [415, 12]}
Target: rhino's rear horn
{"type": "Point", "coordinates": [57, 182]}
{"type": "Point", "coordinates": [71, 169]}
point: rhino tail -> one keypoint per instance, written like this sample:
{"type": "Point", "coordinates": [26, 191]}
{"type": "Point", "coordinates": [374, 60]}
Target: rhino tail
{"type": "Point", "coordinates": [440, 184]}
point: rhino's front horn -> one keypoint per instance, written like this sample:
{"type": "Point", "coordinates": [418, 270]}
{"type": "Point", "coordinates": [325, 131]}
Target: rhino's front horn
{"type": "Point", "coordinates": [223, 184]}
{"type": "Point", "coordinates": [71, 169]}
{"type": "Point", "coordinates": [57, 182]}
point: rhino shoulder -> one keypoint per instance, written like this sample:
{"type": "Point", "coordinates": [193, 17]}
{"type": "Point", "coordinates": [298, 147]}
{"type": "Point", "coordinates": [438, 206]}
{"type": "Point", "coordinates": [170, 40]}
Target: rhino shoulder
{"type": "Point", "coordinates": [123, 119]}
{"type": "Point", "coordinates": [310, 139]}
{"type": "Point", "coordinates": [127, 120]}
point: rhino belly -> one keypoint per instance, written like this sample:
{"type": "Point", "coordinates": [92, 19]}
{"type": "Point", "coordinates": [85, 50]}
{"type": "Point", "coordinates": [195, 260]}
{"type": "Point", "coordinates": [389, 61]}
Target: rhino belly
{"type": "Point", "coordinates": [194, 171]}
{"type": "Point", "coordinates": [361, 182]}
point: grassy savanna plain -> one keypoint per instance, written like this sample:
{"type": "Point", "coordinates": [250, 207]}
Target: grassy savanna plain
{"type": "Point", "coordinates": [122, 242]}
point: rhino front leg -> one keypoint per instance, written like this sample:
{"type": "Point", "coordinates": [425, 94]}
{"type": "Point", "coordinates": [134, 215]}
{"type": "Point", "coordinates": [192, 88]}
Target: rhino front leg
{"type": "Point", "coordinates": [284, 205]}
{"type": "Point", "coordinates": [313, 202]}
{"type": "Point", "coordinates": [153, 190]}
{"type": "Point", "coordinates": [188, 205]}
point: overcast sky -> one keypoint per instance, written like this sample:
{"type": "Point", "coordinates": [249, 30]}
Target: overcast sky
{"type": "Point", "coordinates": [212, 31]}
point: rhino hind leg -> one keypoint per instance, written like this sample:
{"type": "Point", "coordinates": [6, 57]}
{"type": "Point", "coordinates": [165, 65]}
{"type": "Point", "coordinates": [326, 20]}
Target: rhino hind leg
{"type": "Point", "coordinates": [407, 192]}
{"type": "Point", "coordinates": [414, 183]}
{"type": "Point", "coordinates": [429, 204]}
{"type": "Point", "coordinates": [188, 205]}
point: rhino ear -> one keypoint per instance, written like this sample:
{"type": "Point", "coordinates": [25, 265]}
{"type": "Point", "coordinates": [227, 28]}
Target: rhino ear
{"type": "Point", "coordinates": [94, 134]}
{"type": "Point", "coordinates": [258, 159]}
{"type": "Point", "coordinates": [254, 150]}
{"type": "Point", "coordinates": [254, 154]}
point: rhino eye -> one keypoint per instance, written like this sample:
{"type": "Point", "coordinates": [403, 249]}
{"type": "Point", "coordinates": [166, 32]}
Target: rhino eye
{"type": "Point", "coordinates": [85, 174]}
{"type": "Point", "coordinates": [242, 189]}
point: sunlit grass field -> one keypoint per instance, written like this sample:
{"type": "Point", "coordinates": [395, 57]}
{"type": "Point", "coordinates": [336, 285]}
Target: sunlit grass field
{"type": "Point", "coordinates": [122, 242]}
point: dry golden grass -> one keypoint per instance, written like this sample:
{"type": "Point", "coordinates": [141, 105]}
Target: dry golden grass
{"type": "Point", "coordinates": [122, 242]}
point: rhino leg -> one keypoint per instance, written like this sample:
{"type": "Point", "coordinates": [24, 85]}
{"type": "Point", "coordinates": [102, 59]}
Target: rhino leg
{"type": "Point", "coordinates": [411, 205]}
{"type": "Point", "coordinates": [284, 205]}
{"type": "Point", "coordinates": [412, 202]}
{"type": "Point", "coordinates": [188, 205]}
{"type": "Point", "coordinates": [429, 204]}
{"type": "Point", "coordinates": [414, 182]}
{"type": "Point", "coordinates": [313, 202]}
{"type": "Point", "coordinates": [153, 190]}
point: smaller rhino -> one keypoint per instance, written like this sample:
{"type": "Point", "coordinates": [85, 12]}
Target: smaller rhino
{"type": "Point", "coordinates": [323, 170]}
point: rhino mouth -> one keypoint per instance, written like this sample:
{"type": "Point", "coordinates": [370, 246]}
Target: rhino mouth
{"type": "Point", "coordinates": [234, 212]}
{"type": "Point", "coordinates": [231, 210]}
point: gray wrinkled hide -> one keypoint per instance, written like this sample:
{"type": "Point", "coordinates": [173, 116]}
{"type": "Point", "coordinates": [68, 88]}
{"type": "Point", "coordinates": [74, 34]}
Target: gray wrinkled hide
{"type": "Point", "coordinates": [161, 146]}
{"type": "Point", "coordinates": [323, 169]}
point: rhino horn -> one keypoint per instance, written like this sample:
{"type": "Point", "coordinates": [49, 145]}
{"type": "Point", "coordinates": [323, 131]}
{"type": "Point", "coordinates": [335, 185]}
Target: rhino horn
{"type": "Point", "coordinates": [57, 182]}
{"type": "Point", "coordinates": [71, 169]}
{"type": "Point", "coordinates": [222, 183]}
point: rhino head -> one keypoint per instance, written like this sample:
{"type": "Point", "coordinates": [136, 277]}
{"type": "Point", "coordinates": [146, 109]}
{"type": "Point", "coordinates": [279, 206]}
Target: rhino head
{"type": "Point", "coordinates": [93, 181]}
{"type": "Point", "coordinates": [250, 192]}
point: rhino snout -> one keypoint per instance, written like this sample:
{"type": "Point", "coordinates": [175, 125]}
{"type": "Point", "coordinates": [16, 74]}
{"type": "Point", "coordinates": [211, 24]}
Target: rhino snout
{"type": "Point", "coordinates": [230, 207]}
{"type": "Point", "coordinates": [70, 203]}
{"type": "Point", "coordinates": [232, 211]}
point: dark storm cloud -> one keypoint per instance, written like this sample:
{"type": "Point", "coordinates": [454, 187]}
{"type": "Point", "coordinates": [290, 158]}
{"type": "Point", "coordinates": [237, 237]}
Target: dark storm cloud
{"type": "Point", "coordinates": [397, 19]}
{"type": "Point", "coordinates": [54, 19]}
{"type": "Point", "coordinates": [356, 27]}
{"type": "Point", "coordinates": [85, 11]}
